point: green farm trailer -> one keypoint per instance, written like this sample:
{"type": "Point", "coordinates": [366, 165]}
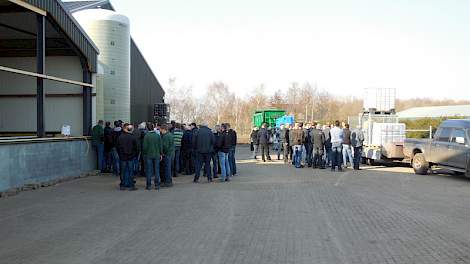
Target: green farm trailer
{"type": "Point", "coordinates": [267, 116]}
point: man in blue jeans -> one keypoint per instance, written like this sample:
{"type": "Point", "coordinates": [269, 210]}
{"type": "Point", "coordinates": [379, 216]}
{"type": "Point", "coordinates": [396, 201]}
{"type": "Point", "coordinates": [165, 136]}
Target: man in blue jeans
{"type": "Point", "coordinates": [177, 136]}
{"type": "Point", "coordinates": [297, 136]}
{"type": "Point", "coordinates": [223, 145]}
{"type": "Point", "coordinates": [336, 134]}
{"type": "Point", "coordinates": [168, 151]}
{"type": "Point", "coordinates": [152, 151]}
{"type": "Point", "coordinates": [203, 142]}
{"type": "Point", "coordinates": [127, 150]}
{"type": "Point", "coordinates": [216, 169]}
{"type": "Point", "coordinates": [233, 144]}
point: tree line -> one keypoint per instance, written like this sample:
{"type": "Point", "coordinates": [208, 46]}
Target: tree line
{"type": "Point", "coordinates": [219, 104]}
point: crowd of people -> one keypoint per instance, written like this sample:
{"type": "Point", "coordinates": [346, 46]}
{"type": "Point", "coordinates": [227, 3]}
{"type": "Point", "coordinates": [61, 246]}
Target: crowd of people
{"type": "Point", "coordinates": [310, 144]}
{"type": "Point", "coordinates": [163, 151]}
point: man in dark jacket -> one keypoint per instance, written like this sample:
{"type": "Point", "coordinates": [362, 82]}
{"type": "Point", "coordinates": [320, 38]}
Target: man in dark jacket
{"type": "Point", "coordinates": [284, 140]}
{"type": "Point", "coordinates": [194, 155]}
{"type": "Point", "coordinates": [347, 150]}
{"type": "Point", "coordinates": [263, 139]}
{"type": "Point", "coordinates": [215, 154]}
{"type": "Point", "coordinates": [108, 146]}
{"type": "Point", "coordinates": [97, 139]}
{"type": "Point", "coordinates": [357, 140]}
{"type": "Point", "coordinates": [203, 144]}
{"type": "Point", "coordinates": [117, 131]}
{"type": "Point", "coordinates": [255, 141]}
{"type": "Point", "coordinates": [328, 152]}
{"type": "Point", "coordinates": [318, 139]}
{"type": "Point", "coordinates": [187, 150]}
{"type": "Point", "coordinates": [127, 150]}
{"type": "Point", "coordinates": [308, 144]}
{"type": "Point", "coordinates": [233, 144]}
{"type": "Point", "coordinates": [223, 145]}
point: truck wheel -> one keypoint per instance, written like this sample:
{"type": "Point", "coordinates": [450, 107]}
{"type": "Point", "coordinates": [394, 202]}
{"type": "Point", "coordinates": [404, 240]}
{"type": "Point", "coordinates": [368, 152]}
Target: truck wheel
{"type": "Point", "coordinates": [420, 165]}
{"type": "Point", "coordinates": [371, 162]}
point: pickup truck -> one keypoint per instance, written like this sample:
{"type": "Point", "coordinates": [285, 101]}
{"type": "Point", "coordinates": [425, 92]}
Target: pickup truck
{"type": "Point", "coordinates": [449, 148]}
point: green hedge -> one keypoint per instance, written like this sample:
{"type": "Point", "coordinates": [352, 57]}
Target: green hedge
{"type": "Point", "coordinates": [424, 123]}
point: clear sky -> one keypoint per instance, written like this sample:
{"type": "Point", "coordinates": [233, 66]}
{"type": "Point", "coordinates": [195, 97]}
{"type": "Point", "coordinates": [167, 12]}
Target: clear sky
{"type": "Point", "coordinates": [420, 47]}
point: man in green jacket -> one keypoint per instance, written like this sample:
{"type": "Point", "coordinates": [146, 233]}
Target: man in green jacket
{"type": "Point", "coordinates": [152, 152]}
{"type": "Point", "coordinates": [97, 141]}
{"type": "Point", "coordinates": [168, 149]}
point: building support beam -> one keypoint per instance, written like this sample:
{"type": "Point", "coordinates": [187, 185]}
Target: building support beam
{"type": "Point", "coordinates": [45, 77]}
{"type": "Point", "coordinates": [87, 103]}
{"type": "Point", "coordinates": [29, 7]}
{"type": "Point", "coordinates": [40, 56]}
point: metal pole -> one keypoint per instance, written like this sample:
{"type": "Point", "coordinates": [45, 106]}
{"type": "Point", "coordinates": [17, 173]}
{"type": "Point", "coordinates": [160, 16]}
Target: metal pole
{"type": "Point", "coordinates": [40, 55]}
{"type": "Point", "coordinates": [430, 132]}
{"type": "Point", "coordinates": [87, 111]}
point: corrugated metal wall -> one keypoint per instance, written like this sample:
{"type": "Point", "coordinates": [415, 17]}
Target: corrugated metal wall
{"type": "Point", "coordinates": [70, 27]}
{"type": "Point", "coordinates": [145, 88]}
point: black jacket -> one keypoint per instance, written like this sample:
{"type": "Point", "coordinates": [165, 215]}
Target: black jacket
{"type": "Point", "coordinates": [203, 140]}
{"type": "Point", "coordinates": [115, 136]}
{"type": "Point", "coordinates": [232, 137]}
{"type": "Point", "coordinates": [187, 141]}
{"type": "Point", "coordinates": [127, 147]}
{"type": "Point", "coordinates": [108, 139]}
{"type": "Point", "coordinates": [263, 136]}
{"type": "Point", "coordinates": [224, 142]}
{"type": "Point", "coordinates": [216, 140]}
{"type": "Point", "coordinates": [307, 137]}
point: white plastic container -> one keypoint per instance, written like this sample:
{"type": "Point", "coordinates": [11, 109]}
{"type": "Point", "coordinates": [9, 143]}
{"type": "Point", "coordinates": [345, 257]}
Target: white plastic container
{"type": "Point", "coordinates": [388, 133]}
{"type": "Point", "coordinates": [380, 99]}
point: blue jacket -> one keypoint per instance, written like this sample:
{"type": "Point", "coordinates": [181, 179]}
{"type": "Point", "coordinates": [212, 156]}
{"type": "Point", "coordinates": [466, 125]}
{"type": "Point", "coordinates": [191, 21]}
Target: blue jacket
{"type": "Point", "coordinates": [203, 140]}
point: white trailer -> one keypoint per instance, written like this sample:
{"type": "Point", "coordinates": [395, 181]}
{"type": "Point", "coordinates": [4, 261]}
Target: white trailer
{"type": "Point", "coordinates": [384, 135]}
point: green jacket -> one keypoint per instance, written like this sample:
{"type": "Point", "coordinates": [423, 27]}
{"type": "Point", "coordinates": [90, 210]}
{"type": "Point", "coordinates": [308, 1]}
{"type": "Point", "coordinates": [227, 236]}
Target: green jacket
{"type": "Point", "coordinates": [97, 134]}
{"type": "Point", "coordinates": [168, 144]}
{"type": "Point", "coordinates": [152, 146]}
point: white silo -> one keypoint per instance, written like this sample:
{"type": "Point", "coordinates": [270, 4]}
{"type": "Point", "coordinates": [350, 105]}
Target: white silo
{"type": "Point", "coordinates": [110, 31]}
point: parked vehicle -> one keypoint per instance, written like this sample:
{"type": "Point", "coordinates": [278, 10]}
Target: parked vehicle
{"type": "Point", "coordinates": [384, 135]}
{"type": "Point", "coordinates": [449, 148]}
{"type": "Point", "coordinates": [268, 116]}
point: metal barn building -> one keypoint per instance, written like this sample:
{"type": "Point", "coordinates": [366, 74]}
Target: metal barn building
{"type": "Point", "coordinates": [462, 111]}
{"type": "Point", "coordinates": [50, 76]}
{"type": "Point", "coordinates": [48, 69]}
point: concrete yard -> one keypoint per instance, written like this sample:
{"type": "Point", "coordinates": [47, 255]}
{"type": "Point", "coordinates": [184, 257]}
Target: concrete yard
{"type": "Point", "coordinates": [270, 213]}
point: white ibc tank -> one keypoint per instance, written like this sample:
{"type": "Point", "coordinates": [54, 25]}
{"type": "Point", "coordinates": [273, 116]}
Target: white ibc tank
{"type": "Point", "coordinates": [380, 99]}
{"type": "Point", "coordinates": [110, 31]}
